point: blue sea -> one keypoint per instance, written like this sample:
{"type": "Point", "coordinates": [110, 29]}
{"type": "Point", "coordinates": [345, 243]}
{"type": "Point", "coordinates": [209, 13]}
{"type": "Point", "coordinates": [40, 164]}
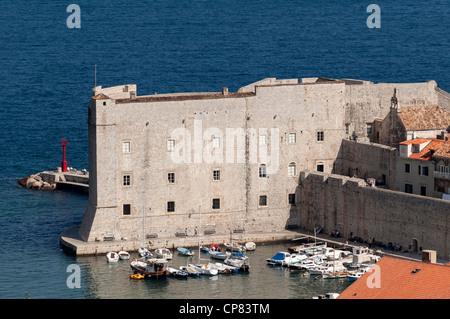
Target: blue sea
{"type": "Point", "coordinates": [46, 80]}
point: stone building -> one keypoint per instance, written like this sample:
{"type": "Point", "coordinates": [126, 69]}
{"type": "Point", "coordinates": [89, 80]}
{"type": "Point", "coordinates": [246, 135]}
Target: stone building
{"type": "Point", "coordinates": [223, 161]}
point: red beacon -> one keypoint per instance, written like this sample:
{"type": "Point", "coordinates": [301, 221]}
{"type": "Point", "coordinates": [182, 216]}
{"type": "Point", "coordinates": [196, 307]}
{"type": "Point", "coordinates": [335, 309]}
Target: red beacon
{"type": "Point", "coordinates": [64, 163]}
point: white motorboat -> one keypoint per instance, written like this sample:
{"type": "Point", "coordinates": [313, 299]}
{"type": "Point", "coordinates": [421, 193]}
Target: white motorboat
{"type": "Point", "coordinates": [218, 254]}
{"type": "Point", "coordinates": [163, 253]}
{"type": "Point", "coordinates": [284, 258]}
{"type": "Point", "coordinates": [178, 273]}
{"type": "Point", "coordinates": [250, 246]}
{"type": "Point", "coordinates": [234, 247]}
{"type": "Point", "coordinates": [185, 251]}
{"type": "Point", "coordinates": [327, 268]}
{"type": "Point", "coordinates": [192, 271]}
{"type": "Point", "coordinates": [224, 268]}
{"type": "Point", "coordinates": [112, 257]}
{"type": "Point", "coordinates": [144, 252]}
{"type": "Point", "coordinates": [236, 260]}
{"type": "Point", "coordinates": [124, 255]}
{"type": "Point", "coordinates": [205, 269]}
{"type": "Point", "coordinates": [305, 264]}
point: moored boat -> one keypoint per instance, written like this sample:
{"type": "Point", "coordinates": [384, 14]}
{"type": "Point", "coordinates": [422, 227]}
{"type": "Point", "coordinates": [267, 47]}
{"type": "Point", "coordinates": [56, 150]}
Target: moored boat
{"type": "Point", "coordinates": [192, 271]}
{"type": "Point", "coordinates": [205, 269]}
{"type": "Point", "coordinates": [185, 251]}
{"type": "Point", "coordinates": [234, 247]}
{"type": "Point", "coordinates": [218, 255]}
{"type": "Point", "coordinates": [150, 268]}
{"type": "Point", "coordinates": [178, 273]}
{"type": "Point", "coordinates": [112, 257]}
{"type": "Point", "coordinates": [144, 252]}
{"type": "Point", "coordinates": [124, 255]}
{"type": "Point", "coordinates": [163, 253]}
{"type": "Point", "coordinates": [250, 246]}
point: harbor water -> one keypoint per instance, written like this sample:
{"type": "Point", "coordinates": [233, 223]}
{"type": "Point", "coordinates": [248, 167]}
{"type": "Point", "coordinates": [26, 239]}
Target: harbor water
{"type": "Point", "coordinates": [163, 46]}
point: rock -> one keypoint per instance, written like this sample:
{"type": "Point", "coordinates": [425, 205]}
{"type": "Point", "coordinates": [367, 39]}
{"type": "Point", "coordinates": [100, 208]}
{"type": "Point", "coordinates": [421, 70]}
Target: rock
{"type": "Point", "coordinates": [46, 186]}
{"type": "Point", "coordinates": [37, 185]}
{"type": "Point", "coordinates": [22, 181]}
{"type": "Point", "coordinates": [30, 182]}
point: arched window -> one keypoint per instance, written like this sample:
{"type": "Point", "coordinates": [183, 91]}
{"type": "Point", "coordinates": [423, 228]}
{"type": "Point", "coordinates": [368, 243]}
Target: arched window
{"type": "Point", "coordinates": [291, 169]}
{"type": "Point", "coordinates": [262, 170]}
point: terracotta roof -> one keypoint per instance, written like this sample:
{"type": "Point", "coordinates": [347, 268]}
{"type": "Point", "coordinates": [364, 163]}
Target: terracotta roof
{"type": "Point", "coordinates": [100, 96]}
{"type": "Point", "coordinates": [416, 141]}
{"type": "Point", "coordinates": [444, 150]}
{"type": "Point", "coordinates": [428, 117]}
{"type": "Point", "coordinates": [401, 279]}
{"type": "Point", "coordinates": [428, 150]}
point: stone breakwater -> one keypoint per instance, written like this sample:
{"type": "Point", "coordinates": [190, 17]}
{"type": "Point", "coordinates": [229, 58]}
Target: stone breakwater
{"type": "Point", "coordinates": [35, 181]}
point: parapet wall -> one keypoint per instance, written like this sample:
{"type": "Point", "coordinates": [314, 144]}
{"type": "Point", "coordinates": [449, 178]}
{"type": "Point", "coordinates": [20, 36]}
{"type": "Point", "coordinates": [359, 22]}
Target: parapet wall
{"type": "Point", "coordinates": [337, 202]}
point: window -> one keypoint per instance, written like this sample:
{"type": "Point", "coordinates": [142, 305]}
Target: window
{"type": "Point", "coordinates": [216, 174]}
{"type": "Point", "coordinates": [216, 203]}
{"type": "Point", "coordinates": [171, 178]}
{"type": "Point", "coordinates": [263, 139]}
{"type": "Point", "coordinates": [263, 200]}
{"type": "Point", "coordinates": [170, 145]}
{"type": "Point", "coordinates": [408, 188]}
{"type": "Point", "coordinates": [262, 171]}
{"type": "Point", "coordinates": [369, 129]}
{"type": "Point", "coordinates": [320, 136]}
{"type": "Point", "coordinates": [291, 169]}
{"type": "Point", "coordinates": [320, 167]}
{"type": "Point", "coordinates": [291, 199]}
{"type": "Point", "coordinates": [407, 168]}
{"type": "Point", "coordinates": [170, 207]}
{"type": "Point", "coordinates": [416, 148]}
{"type": "Point", "coordinates": [216, 142]}
{"type": "Point", "coordinates": [347, 129]}
{"type": "Point", "coordinates": [126, 147]}
{"type": "Point", "coordinates": [126, 210]}
{"type": "Point", "coordinates": [423, 170]}
{"type": "Point", "coordinates": [423, 190]}
{"type": "Point", "coordinates": [292, 138]}
{"type": "Point", "coordinates": [126, 180]}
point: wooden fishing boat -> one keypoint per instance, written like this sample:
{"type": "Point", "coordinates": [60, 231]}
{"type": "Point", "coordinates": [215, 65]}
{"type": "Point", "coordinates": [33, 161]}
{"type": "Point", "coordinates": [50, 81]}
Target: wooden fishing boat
{"type": "Point", "coordinates": [150, 268]}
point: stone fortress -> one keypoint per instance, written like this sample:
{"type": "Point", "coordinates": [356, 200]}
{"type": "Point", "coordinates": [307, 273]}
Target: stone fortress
{"type": "Point", "coordinates": [275, 155]}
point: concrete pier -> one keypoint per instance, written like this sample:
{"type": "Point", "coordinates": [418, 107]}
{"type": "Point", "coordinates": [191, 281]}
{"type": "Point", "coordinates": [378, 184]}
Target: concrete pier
{"type": "Point", "coordinates": [72, 180]}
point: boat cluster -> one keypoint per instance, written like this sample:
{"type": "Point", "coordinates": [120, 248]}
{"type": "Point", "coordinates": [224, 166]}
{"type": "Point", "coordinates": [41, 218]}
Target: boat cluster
{"type": "Point", "coordinates": [157, 264]}
{"type": "Point", "coordinates": [327, 262]}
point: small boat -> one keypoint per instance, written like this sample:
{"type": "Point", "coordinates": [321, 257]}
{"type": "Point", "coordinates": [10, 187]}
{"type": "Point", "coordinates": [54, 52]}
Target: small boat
{"type": "Point", "coordinates": [191, 271]}
{"type": "Point", "coordinates": [250, 246]}
{"type": "Point", "coordinates": [283, 258]}
{"type": "Point", "coordinates": [124, 255]}
{"type": "Point", "coordinates": [205, 269]}
{"type": "Point", "coordinates": [335, 275]}
{"type": "Point", "coordinates": [204, 249]}
{"type": "Point", "coordinates": [137, 276]}
{"type": "Point", "coordinates": [112, 257]}
{"type": "Point", "coordinates": [218, 255]}
{"type": "Point", "coordinates": [185, 251]}
{"type": "Point", "coordinates": [178, 273]}
{"type": "Point", "coordinates": [144, 252]}
{"type": "Point", "coordinates": [224, 268]}
{"type": "Point", "coordinates": [163, 253]}
{"type": "Point", "coordinates": [150, 268]}
{"type": "Point", "coordinates": [215, 247]}
{"type": "Point", "coordinates": [236, 260]}
{"type": "Point", "coordinates": [234, 247]}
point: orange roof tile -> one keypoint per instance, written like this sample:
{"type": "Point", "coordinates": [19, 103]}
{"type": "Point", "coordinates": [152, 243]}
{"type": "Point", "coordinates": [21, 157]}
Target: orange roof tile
{"type": "Point", "coordinates": [428, 117]}
{"type": "Point", "coordinates": [416, 141]}
{"type": "Point", "coordinates": [444, 150]}
{"type": "Point", "coordinates": [401, 279]}
{"type": "Point", "coordinates": [427, 151]}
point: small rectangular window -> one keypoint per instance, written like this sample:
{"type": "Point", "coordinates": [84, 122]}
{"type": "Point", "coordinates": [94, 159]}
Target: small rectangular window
{"type": "Point", "coordinates": [423, 190]}
{"type": "Point", "coordinates": [171, 178]}
{"type": "Point", "coordinates": [170, 145]}
{"type": "Point", "coordinates": [126, 180]}
{"type": "Point", "coordinates": [216, 203]}
{"type": "Point", "coordinates": [126, 147]}
{"type": "Point", "coordinates": [262, 171]}
{"type": "Point", "coordinates": [126, 209]}
{"type": "Point", "coordinates": [292, 138]}
{"type": "Point", "coordinates": [347, 129]}
{"type": "Point", "coordinates": [423, 170]}
{"type": "Point", "coordinates": [320, 167]}
{"type": "Point", "coordinates": [369, 129]}
{"type": "Point", "coordinates": [170, 207]}
{"type": "Point", "coordinates": [407, 168]}
{"type": "Point", "coordinates": [216, 142]}
{"type": "Point", "coordinates": [408, 188]}
{"type": "Point", "coordinates": [320, 136]}
{"type": "Point", "coordinates": [263, 139]}
{"type": "Point", "coordinates": [263, 200]}
{"type": "Point", "coordinates": [291, 199]}
{"type": "Point", "coordinates": [216, 174]}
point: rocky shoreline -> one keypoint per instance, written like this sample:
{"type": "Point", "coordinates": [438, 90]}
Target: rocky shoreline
{"type": "Point", "coordinates": [35, 181]}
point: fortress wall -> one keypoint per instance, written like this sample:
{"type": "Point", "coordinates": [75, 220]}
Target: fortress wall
{"type": "Point", "coordinates": [345, 204]}
{"type": "Point", "coordinates": [443, 98]}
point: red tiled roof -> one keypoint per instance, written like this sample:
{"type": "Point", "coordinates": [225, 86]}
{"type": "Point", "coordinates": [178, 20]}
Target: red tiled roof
{"type": "Point", "coordinates": [444, 150]}
{"type": "Point", "coordinates": [401, 279]}
{"type": "Point", "coordinates": [427, 151]}
{"type": "Point", "coordinates": [416, 141]}
{"type": "Point", "coordinates": [429, 117]}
